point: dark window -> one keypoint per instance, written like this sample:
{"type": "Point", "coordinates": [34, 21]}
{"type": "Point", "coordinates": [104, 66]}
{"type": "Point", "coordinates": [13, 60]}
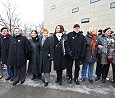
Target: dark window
{"type": "Point", "coordinates": [74, 10]}
{"type": "Point", "coordinates": [112, 5]}
{"type": "Point", "coordinates": [93, 1]}
{"type": "Point", "coordinates": [85, 20]}
{"type": "Point", "coordinates": [53, 7]}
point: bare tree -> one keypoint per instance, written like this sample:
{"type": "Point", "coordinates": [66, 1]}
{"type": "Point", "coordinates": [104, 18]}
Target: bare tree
{"type": "Point", "coordinates": [11, 18]}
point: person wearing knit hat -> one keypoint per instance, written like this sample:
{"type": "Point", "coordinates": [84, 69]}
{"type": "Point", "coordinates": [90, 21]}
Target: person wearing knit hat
{"type": "Point", "coordinates": [77, 51]}
{"type": "Point", "coordinates": [103, 64]}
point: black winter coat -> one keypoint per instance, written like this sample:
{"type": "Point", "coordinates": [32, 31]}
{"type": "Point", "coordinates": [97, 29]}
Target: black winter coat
{"type": "Point", "coordinates": [4, 49]}
{"type": "Point", "coordinates": [77, 45]}
{"type": "Point", "coordinates": [0, 45]}
{"type": "Point", "coordinates": [60, 59]}
{"type": "Point", "coordinates": [19, 50]}
{"type": "Point", "coordinates": [34, 65]}
{"type": "Point", "coordinates": [46, 55]}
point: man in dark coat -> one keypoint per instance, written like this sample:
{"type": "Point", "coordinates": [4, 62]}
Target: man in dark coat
{"type": "Point", "coordinates": [5, 41]}
{"type": "Point", "coordinates": [46, 55]}
{"type": "Point", "coordinates": [19, 50]}
{"type": "Point", "coordinates": [77, 47]}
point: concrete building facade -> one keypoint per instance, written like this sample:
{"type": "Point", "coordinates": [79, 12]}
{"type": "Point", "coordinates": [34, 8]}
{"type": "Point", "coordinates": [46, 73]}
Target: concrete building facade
{"type": "Point", "coordinates": [87, 13]}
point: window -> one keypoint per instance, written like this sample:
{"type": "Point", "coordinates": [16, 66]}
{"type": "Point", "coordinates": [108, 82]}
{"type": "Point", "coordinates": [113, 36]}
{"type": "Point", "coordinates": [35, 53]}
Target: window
{"type": "Point", "coordinates": [93, 1]}
{"type": "Point", "coordinates": [53, 7]}
{"type": "Point", "coordinates": [74, 10]}
{"type": "Point", "coordinates": [112, 5]}
{"type": "Point", "coordinates": [85, 20]}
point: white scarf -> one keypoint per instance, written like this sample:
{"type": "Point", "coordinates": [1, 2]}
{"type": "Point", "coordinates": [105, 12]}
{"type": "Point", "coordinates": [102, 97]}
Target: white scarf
{"type": "Point", "coordinates": [59, 35]}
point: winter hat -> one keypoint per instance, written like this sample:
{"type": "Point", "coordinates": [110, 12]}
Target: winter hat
{"type": "Point", "coordinates": [76, 25]}
{"type": "Point", "coordinates": [106, 29]}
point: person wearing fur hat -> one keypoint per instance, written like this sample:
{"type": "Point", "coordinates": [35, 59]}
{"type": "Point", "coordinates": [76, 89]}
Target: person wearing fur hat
{"type": "Point", "coordinates": [105, 41]}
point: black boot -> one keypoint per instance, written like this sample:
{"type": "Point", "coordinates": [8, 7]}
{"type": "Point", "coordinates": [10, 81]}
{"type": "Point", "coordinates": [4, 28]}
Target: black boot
{"type": "Point", "coordinates": [69, 81]}
{"type": "Point", "coordinates": [97, 78]}
{"type": "Point", "coordinates": [33, 77]}
{"type": "Point", "coordinates": [14, 83]}
{"type": "Point", "coordinates": [77, 81]}
{"type": "Point", "coordinates": [8, 78]}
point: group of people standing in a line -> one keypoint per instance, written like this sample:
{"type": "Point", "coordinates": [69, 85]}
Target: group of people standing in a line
{"type": "Point", "coordinates": [61, 48]}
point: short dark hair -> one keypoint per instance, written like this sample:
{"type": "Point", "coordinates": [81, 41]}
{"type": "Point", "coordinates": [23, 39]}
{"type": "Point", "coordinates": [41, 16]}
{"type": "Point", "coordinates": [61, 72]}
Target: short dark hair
{"type": "Point", "coordinates": [4, 28]}
{"type": "Point", "coordinates": [76, 25]}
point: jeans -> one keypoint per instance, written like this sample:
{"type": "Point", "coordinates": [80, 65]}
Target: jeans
{"type": "Point", "coordinates": [90, 66]}
{"type": "Point", "coordinates": [10, 72]}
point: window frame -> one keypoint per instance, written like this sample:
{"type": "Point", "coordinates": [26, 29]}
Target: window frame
{"type": "Point", "coordinates": [111, 5]}
{"type": "Point", "coordinates": [85, 20]}
{"type": "Point", "coordinates": [53, 7]}
{"type": "Point", "coordinates": [74, 10]}
{"type": "Point", "coordinates": [93, 1]}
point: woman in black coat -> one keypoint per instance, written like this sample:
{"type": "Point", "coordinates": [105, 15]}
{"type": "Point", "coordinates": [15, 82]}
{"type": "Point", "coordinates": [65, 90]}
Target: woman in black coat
{"type": "Point", "coordinates": [19, 50]}
{"type": "Point", "coordinates": [60, 59]}
{"type": "Point", "coordinates": [34, 66]}
{"type": "Point", "coordinates": [46, 55]}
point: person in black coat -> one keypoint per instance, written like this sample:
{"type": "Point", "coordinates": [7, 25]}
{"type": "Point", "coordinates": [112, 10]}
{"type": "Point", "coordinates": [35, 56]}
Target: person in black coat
{"type": "Point", "coordinates": [19, 52]}
{"type": "Point", "coordinates": [0, 58]}
{"type": "Point", "coordinates": [60, 57]}
{"type": "Point", "coordinates": [5, 41]}
{"type": "Point", "coordinates": [77, 51]}
{"type": "Point", "coordinates": [34, 65]}
{"type": "Point", "coordinates": [46, 55]}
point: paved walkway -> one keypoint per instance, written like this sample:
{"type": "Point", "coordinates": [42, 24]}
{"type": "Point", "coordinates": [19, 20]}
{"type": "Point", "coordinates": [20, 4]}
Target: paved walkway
{"type": "Point", "coordinates": [36, 89]}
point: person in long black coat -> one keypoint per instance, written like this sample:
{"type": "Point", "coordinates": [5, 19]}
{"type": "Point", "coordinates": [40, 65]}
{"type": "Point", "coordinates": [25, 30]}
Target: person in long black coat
{"type": "Point", "coordinates": [19, 51]}
{"type": "Point", "coordinates": [34, 65]}
{"type": "Point", "coordinates": [0, 59]}
{"type": "Point", "coordinates": [46, 55]}
{"type": "Point", "coordinates": [5, 41]}
{"type": "Point", "coordinates": [60, 58]}
{"type": "Point", "coordinates": [77, 45]}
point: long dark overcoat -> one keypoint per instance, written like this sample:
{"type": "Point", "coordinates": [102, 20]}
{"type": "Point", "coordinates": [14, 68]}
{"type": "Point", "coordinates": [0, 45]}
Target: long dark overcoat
{"type": "Point", "coordinates": [34, 65]}
{"type": "Point", "coordinates": [19, 50]}
{"type": "Point", "coordinates": [46, 55]}
{"type": "Point", "coordinates": [60, 60]}
{"type": "Point", "coordinates": [4, 49]}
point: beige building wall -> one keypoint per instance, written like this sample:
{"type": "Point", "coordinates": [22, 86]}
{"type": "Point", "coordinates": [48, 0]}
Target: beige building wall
{"type": "Point", "coordinates": [99, 13]}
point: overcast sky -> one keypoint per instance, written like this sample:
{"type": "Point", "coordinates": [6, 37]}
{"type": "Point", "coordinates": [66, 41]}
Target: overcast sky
{"type": "Point", "coordinates": [31, 11]}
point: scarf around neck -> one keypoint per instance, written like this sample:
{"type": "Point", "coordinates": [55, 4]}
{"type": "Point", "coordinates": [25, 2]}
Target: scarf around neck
{"type": "Point", "coordinates": [93, 43]}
